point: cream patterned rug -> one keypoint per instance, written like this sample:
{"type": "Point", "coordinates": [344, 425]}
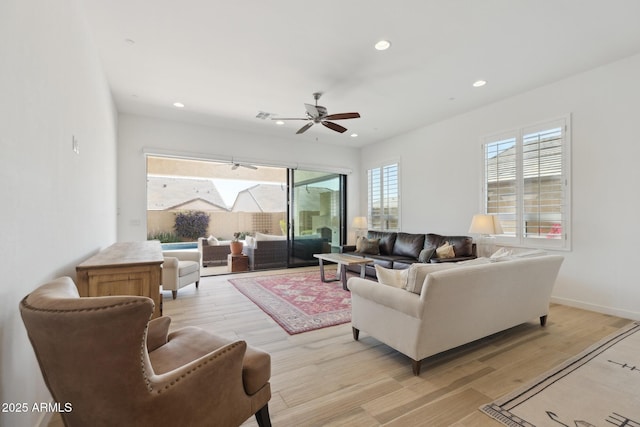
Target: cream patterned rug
{"type": "Point", "coordinates": [599, 387]}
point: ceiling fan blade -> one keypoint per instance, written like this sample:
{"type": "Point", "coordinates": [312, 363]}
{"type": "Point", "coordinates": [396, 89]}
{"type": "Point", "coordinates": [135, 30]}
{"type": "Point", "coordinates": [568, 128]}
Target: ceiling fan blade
{"type": "Point", "coordinates": [342, 116]}
{"type": "Point", "coordinates": [304, 128]}
{"type": "Point", "coordinates": [312, 110]}
{"type": "Point", "coordinates": [235, 166]}
{"type": "Point", "coordinates": [249, 167]}
{"type": "Point", "coordinates": [334, 126]}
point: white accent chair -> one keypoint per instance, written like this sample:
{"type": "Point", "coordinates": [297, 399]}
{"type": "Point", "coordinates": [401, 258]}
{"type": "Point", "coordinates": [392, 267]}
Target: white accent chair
{"type": "Point", "coordinates": [180, 268]}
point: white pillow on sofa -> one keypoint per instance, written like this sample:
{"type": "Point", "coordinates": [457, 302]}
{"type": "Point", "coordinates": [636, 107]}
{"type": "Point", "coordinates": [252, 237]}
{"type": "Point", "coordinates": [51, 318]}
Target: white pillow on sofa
{"type": "Point", "coordinates": [418, 273]}
{"type": "Point", "coordinates": [212, 241]}
{"type": "Point", "coordinates": [391, 277]}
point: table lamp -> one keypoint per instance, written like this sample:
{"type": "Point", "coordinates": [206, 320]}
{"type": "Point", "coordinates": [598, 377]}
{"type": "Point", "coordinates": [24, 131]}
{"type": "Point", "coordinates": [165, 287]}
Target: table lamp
{"type": "Point", "coordinates": [486, 226]}
{"type": "Point", "coordinates": [360, 225]}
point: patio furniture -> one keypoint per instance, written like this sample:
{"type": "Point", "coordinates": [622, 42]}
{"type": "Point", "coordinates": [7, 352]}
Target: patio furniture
{"type": "Point", "coordinates": [213, 255]}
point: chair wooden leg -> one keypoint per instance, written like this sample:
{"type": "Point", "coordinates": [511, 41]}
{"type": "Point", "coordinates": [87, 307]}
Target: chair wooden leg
{"type": "Point", "coordinates": [356, 333]}
{"type": "Point", "coordinates": [174, 294]}
{"type": "Point", "coordinates": [415, 364]}
{"type": "Point", "coordinates": [543, 320]}
{"type": "Point", "coordinates": [262, 416]}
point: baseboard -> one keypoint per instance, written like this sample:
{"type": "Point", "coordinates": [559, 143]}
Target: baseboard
{"type": "Point", "coordinates": [618, 312]}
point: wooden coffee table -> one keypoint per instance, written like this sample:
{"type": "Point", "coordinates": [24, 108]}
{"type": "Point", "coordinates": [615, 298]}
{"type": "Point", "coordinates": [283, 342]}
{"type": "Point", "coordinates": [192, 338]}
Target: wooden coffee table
{"type": "Point", "coordinates": [343, 261]}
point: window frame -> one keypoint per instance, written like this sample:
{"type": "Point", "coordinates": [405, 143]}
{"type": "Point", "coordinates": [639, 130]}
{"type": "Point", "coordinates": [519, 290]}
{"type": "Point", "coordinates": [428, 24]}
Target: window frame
{"type": "Point", "coordinates": [380, 168]}
{"type": "Point", "coordinates": [519, 238]}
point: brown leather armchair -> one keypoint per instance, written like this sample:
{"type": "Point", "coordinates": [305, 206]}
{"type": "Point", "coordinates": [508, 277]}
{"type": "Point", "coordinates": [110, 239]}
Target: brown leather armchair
{"type": "Point", "coordinates": [112, 366]}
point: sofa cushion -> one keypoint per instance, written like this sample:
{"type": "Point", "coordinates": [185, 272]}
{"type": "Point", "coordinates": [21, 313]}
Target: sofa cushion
{"type": "Point", "coordinates": [392, 277]}
{"type": "Point", "coordinates": [408, 245]}
{"type": "Point", "coordinates": [368, 246]}
{"type": "Point", "coordinates": [387, 240]}
{"type": "Point", "coordinates": [418, 273]}
{"type": "Point", "coordinates": [187, 267]}
{"type": "Point", "coordinates": [462, 245]}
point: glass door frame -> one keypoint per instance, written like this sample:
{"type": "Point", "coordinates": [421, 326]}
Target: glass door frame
{"type": "Point", "coordinates": [330, 244]}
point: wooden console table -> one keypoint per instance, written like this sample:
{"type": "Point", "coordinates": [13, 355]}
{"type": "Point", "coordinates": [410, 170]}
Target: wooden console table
{"type": "Point", "coordinates": [125, 268]}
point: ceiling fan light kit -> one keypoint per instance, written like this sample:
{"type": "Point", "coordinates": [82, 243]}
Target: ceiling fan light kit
{"type": "Point", "coordinates": [318, 114]}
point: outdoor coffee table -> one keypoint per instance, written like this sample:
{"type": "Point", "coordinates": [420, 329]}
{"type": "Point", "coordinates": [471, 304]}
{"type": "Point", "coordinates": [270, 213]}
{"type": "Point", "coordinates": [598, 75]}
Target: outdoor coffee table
{"type": "Point", "coordinates": [343, 261]}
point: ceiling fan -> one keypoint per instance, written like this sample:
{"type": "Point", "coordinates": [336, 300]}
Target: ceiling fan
{"type": "Point", "coordinates": [237, 165]}
{"type": "Point", "coordinates": [318, 114]}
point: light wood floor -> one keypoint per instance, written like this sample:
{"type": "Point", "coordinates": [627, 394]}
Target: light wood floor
{"type": "Point", "coordinates": [325, 378]}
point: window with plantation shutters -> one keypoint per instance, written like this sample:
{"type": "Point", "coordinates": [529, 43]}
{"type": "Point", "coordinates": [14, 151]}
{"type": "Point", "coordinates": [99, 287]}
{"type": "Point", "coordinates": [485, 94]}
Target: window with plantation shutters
{"type": "Point", "coordinates": [526, 184]}
{"type": "Point", "coordinates": [383, 197]}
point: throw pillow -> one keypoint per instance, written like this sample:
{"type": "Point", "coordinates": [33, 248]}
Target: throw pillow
{"type": "Point", "coordinates": [501, 254]}
{"type": "Point", "coordinates": [446, 251]}
{"type": "Point", "coordinates": [426, 254]}
{"type": "Point", "coordinates": [212, 241]}
{"type": "Point", "coordinates": [368, 246]}
{"type": "Point", "coordinates": [390, 277]}
{"type": "Point", "coordinates": [419, 272]}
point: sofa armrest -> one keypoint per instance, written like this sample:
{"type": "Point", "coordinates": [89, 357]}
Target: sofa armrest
{"type": "Point", "coordinates": [183, 255]}
{"type": "Point", "coordinates": [347, 248]}
{"type": "Point", "coordinates": [170, 262]}
{"type": "Point", "coordinates": [157, 332]}
{"type": "Point", "coordinates": [395, 298]}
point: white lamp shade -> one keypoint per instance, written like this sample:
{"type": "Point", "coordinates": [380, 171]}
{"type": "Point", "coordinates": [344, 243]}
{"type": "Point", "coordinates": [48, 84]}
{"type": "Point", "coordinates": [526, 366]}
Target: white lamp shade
{"type": "Point", "coordinates": [485, 224]}
{"type": "Point", "coordinates": [360, 222]}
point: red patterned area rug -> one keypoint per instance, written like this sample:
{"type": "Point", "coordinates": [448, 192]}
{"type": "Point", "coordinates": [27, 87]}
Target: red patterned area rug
{"type": "Point", "coordinates": [299, 302]}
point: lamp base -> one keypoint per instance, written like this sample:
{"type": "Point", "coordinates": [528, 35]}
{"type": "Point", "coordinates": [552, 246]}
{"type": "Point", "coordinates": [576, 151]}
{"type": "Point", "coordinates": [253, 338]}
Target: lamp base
{"type": "Point", "coordinates": [486, 246]}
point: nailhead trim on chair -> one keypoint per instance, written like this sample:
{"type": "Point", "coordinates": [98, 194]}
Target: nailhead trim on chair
{"type": "Point", "coordinates": [76, 310]}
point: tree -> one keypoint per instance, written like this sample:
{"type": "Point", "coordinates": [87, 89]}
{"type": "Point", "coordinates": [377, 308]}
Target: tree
{"type": "Point", "coordinates": [191, 224]}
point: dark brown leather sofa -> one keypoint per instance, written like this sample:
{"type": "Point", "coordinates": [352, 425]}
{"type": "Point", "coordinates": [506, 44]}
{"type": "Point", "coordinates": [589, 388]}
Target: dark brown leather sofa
{"type": "Point", "coordinates": [399, 250]}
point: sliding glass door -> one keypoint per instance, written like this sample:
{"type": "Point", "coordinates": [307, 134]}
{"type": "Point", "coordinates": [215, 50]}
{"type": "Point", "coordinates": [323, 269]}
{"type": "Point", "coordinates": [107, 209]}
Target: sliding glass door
{"type": "Point", "coordinates": [301, 210]}
{"type": "Point", "coordinates": [316, 215]}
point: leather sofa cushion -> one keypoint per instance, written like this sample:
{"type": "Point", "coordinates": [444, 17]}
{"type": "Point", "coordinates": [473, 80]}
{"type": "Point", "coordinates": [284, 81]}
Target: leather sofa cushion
{"type": "Point", "coordinates": [462, 245]}
{"type": "Point", "coordinates": [408, 245]}
{"type": "Point", "coordinates": [387, 240]}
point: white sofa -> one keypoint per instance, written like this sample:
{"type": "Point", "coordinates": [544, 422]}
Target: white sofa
{"type": "Point", "coordinates": [457, 304]}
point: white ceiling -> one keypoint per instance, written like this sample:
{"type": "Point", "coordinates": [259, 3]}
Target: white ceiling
{"type": "Point", "coordinates": [226, 61]}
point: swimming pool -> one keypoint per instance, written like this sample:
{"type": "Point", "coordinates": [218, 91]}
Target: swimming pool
{"type": "Point", "coordinates": [179, 245]}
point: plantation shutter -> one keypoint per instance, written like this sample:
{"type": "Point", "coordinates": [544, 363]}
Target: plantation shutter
{"type": "Point", "coordinates": [383, 197]}
{"type": "Point", "coordinates": [501, 182]}
{"type": "Point", "coordinates": [527, 184]}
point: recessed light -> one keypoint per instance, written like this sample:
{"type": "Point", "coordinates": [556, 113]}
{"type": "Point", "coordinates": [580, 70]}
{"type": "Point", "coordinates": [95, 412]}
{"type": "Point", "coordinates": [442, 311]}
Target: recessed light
{"type": "Point", "coordinates": [383, 45]}
{"type": "Point", "coordinates": [354, 135]}
{"type": "Point", "coordinates": [479, 83]}
{"type": "Point", "coordinates": [178, 104]}
{"type": "Point", "coordinates": [279, 122]}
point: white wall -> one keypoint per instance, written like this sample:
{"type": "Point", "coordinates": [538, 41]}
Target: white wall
{"type": "Point", "coordinates": [441, 171]}
{"type": "Point", "coordinates": [57, 207]}
{"type": "Point", "coordinates": [139, 134]}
